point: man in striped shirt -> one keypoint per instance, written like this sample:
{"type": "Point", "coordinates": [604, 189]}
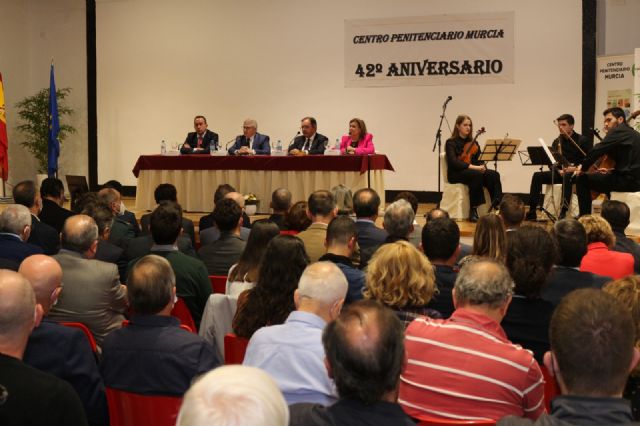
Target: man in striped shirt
{"type": "Point", "coordinates": [465, 367]}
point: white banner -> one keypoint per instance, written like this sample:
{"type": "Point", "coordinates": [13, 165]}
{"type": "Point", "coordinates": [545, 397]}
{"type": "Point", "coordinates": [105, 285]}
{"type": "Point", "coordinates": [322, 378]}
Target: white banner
{"type": "Point", "coordinates": [430, 50]}
{"type": "Point", "coordinates": [614, 85]}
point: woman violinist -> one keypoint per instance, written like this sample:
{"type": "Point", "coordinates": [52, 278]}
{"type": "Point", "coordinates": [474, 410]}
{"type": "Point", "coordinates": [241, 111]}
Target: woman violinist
{"type": "Point", "coordinates": [462, 153]}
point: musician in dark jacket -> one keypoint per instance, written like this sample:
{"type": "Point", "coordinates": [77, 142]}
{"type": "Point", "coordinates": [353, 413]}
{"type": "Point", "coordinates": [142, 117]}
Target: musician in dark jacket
{"type": "Point", "coordinates": [474, 174]}
{"type": "Point", "coordinates": [574, 148]}
{"type": "Point", "coordinates": [622, 146]}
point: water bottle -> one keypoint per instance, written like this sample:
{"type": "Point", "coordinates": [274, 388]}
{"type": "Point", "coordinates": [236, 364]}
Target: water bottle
{"type": "Point", "coordinates": [163, 148]}
{"type": "Point", "coordinates": [279, 146]}
{"type": "Point", "coordinates": [337, 145]}
{"type": "Point", "coordinates": [212, 148]}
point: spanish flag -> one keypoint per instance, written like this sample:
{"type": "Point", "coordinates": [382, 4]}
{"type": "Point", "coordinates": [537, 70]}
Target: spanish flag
{"type": "Point", "coordinates": [4, 141]}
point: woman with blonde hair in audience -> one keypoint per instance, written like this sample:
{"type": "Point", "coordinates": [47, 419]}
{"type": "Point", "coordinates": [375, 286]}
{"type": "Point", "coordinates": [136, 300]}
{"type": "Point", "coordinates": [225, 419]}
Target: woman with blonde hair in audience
{"type": "Point", "coordinates": [401, 277]}
{"type": "Point", "coordinates": [271, 300]}
{"type": "Point", "coordinates": [244, 274]}
{"type": "Point", "coordinates": [627, 291]}
{"type": "Point", "coordinates": [489, 240]}
{"type": "Point", "coordinates": [600, 259]}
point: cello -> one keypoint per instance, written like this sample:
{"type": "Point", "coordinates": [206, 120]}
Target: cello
{"type": "Point", "coordinates": [604, 164]}
{"type": "Point", "coordinates": [471, 148]}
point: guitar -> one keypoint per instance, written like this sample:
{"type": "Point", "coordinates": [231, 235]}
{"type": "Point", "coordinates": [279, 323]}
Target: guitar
{"type": "Point", "coordinates": [471, 148]}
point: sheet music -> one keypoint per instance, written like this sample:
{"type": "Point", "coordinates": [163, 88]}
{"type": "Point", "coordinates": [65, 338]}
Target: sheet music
{"type": "Point", "coordinates": [547, 151]}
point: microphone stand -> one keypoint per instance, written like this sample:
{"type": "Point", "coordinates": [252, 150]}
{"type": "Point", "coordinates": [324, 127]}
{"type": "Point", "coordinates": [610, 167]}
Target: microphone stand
{"type": "Point", "coordinates": [438, 143]}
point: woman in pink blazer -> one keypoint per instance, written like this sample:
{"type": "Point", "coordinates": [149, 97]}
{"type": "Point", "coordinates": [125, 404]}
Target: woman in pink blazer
{"type": "Point", "coordinates": [358, 141]}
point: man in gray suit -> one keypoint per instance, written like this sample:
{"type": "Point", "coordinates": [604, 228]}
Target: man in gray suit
{"type": "Point", "coordinates": [92, 292]}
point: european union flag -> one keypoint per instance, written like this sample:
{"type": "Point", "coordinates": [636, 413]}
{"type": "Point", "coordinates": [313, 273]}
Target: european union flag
{"type": "Point", "coordinates": [53, 151]}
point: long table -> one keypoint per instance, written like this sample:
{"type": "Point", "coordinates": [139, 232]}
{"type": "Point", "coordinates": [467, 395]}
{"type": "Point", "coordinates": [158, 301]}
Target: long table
{"type": "Point", "coordinates": [197, 176]}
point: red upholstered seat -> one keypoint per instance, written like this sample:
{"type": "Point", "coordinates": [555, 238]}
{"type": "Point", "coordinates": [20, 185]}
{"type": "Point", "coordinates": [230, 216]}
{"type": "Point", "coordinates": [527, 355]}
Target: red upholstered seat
{"type": "Point", "coordinates": [234, 348]}
{"type": "Point", "coordinates": [181, 312]}
{"type": "Point", "coordinates": [551, 388]}
{"type": "Point", "coordinates": [86, 331]}
{"type": "Point", "coordinates": [132, 409]}
{"type": "Point", "coordinates": [218, 283]}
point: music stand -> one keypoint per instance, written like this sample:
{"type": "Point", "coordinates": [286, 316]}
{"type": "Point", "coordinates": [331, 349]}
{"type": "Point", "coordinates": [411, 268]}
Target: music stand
{"type": "Point", "coordinates": [77, 186]}
{"type": "Point", "coordinates": [499, 150]}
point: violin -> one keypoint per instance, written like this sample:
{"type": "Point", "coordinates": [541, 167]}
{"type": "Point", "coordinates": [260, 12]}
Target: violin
{"type": "Point", "coordinates": [471, 148]}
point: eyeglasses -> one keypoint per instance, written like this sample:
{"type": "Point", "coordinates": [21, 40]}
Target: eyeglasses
{"type": "Point", "coordinates": [247, 127]}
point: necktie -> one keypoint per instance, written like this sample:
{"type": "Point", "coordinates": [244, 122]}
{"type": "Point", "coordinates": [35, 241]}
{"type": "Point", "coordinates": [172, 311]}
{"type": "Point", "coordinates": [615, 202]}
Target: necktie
{"type": "Point", "coordinates": [306, 145]}
{"type": "Point", "coordinates": [199, 141]}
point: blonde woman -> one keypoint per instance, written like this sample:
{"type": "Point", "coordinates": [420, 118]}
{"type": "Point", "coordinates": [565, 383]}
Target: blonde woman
{"type": "Point", "coordinates": [489, 240]}
{"type": "Point", "coordinates": [401, 277]}
{"type": "Point", "coordinates": [627, 291]}
{"type": "Point", "coordinates": [600, 259]}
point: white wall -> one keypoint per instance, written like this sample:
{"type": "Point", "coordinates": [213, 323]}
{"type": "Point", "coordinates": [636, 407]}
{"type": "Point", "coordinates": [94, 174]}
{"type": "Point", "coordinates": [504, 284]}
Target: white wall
{"type": "Point", "coordinates": [161, 62]}
{"type": "Point", "coordinates": [619, 32]}
{"type": "Point", "coordinates": [33, 32]}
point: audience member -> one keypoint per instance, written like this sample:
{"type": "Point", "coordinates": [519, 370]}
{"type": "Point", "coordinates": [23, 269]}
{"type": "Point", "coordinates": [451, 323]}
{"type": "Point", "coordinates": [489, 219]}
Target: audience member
{"type": "Point", "coordinates": [192, 280]}
{"type": "Point", "coordinates": [489, 240]}
{"type": "Point", "coordinates": [321, 209]}
{"type": "Point", "coordinates": [28, 396]}
{"type": "Point", "coordinates": [168, 192]}
{"type": "Point", "coordinates": [52, 194]}
{"type": "Point", "coordinates": [152, 354]}
{"type": "Point", "coordinates": [92, 293]}
{"type": "Point", "coordinates": [280, 204]}
{"type": "Point", "coordinates": [600, 258]}
{"type": "Point", "coordinates": [244, 274]}
{"type": "Point", "coordinates": [617, 214]}
{"type": "Point", "coordinates": [400, 277]}
{"type": "Point", "coordinates": [512, 212]}
{"type": "Point", "coordinates": [344, 199]}
{"type": "Point", "coordinates": [366, 204]}
{"type": "Point", "coordinates": [531, 253]}
{"type": "Point", "coordinates": [58, 350]}
{"type": "Point", "coordinates": [42, 235]}
{"type": "Point", "coordinates": [364, 356]}
{"type": "Point", "coordinates": [292, 352]}
{"type": "Point", "coordinates": [271, 301]}
{"type": "Point", "coordinates": [212, 234]}
{"type": "Point", "coordinates": [415, 237]}
{"type": "Point", "coordinates": [220, 255]}
{"type": "Point", "coordinates": [106, 251]}
{"type": "Point", "coordinates": [398, 221]}
{"type": "Point", "coordinates": [436, 213]}
{"type": "Point", "coordinates": [234, 395]}
{"type": "Point", "coordinates": [627, 291]}
{"type": "Point", "coordinates": [15, 228]}
{"type": "Point", "coordinates": [341, 243]}
{"type": "Point", "coordinates": [206, 221]}
{"type": "Point", "coordinates": [592, 351]}
{"type": "Point", "coordinates": [465, 367]}
{"type": "Point", "coordinates": [571, 240]}
{"type": "Point", "coordinates": [296, 219]}
{"type": "Point", "coordinates": [441, 245]}
{"type": "Point", "coordinates": [121, 231]}
{"type": "Point", "coordinates": [123, 213]}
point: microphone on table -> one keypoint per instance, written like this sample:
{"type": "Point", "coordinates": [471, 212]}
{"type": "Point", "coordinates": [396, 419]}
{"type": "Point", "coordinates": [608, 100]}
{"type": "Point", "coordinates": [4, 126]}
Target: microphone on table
{"type": "Point", "coordinates": [226, 145]}
{"type": "Point", "coordinates": [293, 139]}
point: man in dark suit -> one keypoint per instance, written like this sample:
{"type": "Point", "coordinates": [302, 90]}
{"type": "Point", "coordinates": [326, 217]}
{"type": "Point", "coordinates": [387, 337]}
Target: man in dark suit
{"type": "Point", "coordinates": [42, 235]}
{"type": "Point", "coordinates": [106, 251]}
{"type": "Point", "coordinates": [220, 255]}
{"type": "Point", "coordinates": [62, 351]}
{"type": "Point", "coordinates": [617, 214]}
{"type": "Point", "coordinates": [251, 142]}
{"type": "Point", "coordinates": [52, 213]}
{"type": "Point", "coordinates": [15, 227]}
{"type": "Point", "coordinates": [310, 142]}
{"type": "Point", "coordinates": [441, 245]}
{"type": "Point", "coordinates": [565, 277]}
{"type": "Point", "coordinates": [199, 142]}
{"type": "Point", "coordinates": [206, 221]}
{"type": "Point", "coordinates": [280, 204]}
{"type": "Point", "coordinates": [168, 192]}
{"type": "Point", "coordinates": [366, 203]}
{"type": "Point", "coordinates": [124, 214]}
{"type": "Point", "coordinates": [121, 232]}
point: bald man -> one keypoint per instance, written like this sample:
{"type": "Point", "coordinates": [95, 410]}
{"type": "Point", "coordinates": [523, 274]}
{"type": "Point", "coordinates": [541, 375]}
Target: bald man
{"type": "Point", "coordinates": [93, 294]}
{"type": "Point", "coordinates": [28, 396]}
{"type": "Point", "coordinates": [62, 351]}
{"type": "Point", "coordinates": [292, 352]}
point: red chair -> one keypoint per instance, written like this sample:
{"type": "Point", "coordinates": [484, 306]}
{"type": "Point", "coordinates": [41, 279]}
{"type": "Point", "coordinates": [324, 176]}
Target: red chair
{"type": "Point", "coordinates": [289, 232]}
{"type": "Point", "coordinates": [443, 422]}
{"type": "Point", "coordinates": [181, 312]}
{"type": "Point", "coordinates": [234, 348]}
{"type": "Point", "coordinates": [551, 388]}
{"type": "Point", "coordinates": [86, 331]}
{"type": "Point", "coordinates": [218, 283]}
{"type": "Point", "coordinates": [132, 409]}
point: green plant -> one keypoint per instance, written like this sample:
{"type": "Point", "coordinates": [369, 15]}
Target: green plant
{"type": "Point", "coordinates": [34, 114]}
